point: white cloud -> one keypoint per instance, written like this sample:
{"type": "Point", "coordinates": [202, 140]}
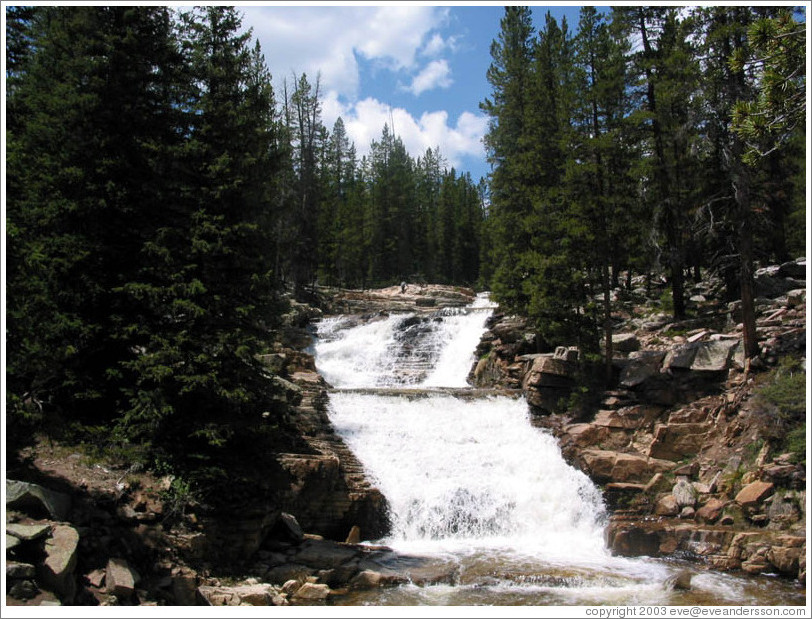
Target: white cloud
{"type": "Point", "coordinates": [329, 41]}
{"type": "Point", "coordinates": [436, 45]}
{"type": "Point", "coordinates": [365, 119]}
{"type": "Point", "coordinates": [436, 74]}
{"type": "Point", "coordinates": [325, 39]}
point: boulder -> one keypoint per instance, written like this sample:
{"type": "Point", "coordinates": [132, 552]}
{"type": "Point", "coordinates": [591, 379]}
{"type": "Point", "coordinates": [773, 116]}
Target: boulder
{"type": "Point", "coordinates": [18, 571]}
{"type": "Point", "coordinates": [713, 356]}
{"type": "Point", "coordinates": [786, 560]}
{"type": "Point", "coordinates": [684, 493]}
{"type": "Point", "coordinates": [311, 593]}
{"type": "Point", "coordinates": [710, 511]}
{"type": "Point", "coordinates": [641, 366]}
{"type": "Point", "coordinates": [324, 554]}
{"type": "Point", "coordinates": [666, 506]}
{"type": "Point", "coordinates": [120, 579]}
{"type": "Point", "coordinates": [28, 532]}
{"type": "Point", "coordinates": [680, 357]}
{"type": "Point", "coordinates": [753, 494]}
{"type": "Point", "coordinates": [248, 595]}
{"type": "Point", "coordinates": [680, 581]}
{"type": "Point", "coordinates": [57, 570]}
{"type": "Point", "coordinates": [287, 529]}
{"type": "Point", "coordinates": [33, 500]}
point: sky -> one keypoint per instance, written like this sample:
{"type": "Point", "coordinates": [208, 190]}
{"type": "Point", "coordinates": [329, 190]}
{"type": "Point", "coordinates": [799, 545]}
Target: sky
{"type": "Point", "coordinates": [420, 68]}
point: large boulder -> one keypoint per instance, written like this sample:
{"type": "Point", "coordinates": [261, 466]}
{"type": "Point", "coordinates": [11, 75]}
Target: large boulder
{"type": "Point", "coordinates": [753, 494]}
{"type": "Point", "coordinates": [641, 366]}
{"type": "Point", "coordinates": [35, 500]}
{"type": "Point", "coordinates": [57, 571]}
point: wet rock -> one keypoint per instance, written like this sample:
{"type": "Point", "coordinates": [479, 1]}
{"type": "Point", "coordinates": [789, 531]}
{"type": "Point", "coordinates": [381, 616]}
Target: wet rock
{"type": "Point", "coordinates": [354, 536]}
{"type": "Point", "coordinates": [184, 586]}
{"type": "Point", "coordinates": [785, 560]}
{"type": "Point", "coordinates": [324, 554]}
{"type": "Point", "coordinates": [680, 581]}
{"type": "Point", "coordinates": [367, 579]}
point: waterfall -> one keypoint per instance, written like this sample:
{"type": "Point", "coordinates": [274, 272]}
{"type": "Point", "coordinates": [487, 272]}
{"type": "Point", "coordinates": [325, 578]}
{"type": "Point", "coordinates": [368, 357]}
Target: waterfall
{"type": "Point", "coordinates": [457, 472]}
{"type": "Point", "coordinates": [470, 481]}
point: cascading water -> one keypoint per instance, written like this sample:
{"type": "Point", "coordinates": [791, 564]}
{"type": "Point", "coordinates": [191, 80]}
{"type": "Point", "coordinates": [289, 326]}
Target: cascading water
{"type": "Point", "coordinates": [469, 479]}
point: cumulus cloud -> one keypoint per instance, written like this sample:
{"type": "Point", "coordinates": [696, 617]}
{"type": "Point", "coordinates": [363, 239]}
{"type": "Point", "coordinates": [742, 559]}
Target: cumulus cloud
{"type": "Point", "coordinates": [364, 121]}
{"type": "Point", "coordinates": [436, 74]}
{"type": "Point", "coordinates": [326, 40]}
{"type": "Point", "coordinates": [330, 41]}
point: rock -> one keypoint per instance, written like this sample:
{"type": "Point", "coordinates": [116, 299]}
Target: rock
{"type": "Point", "coordinates": [19, 571]}
{"type": "Point", "coordinates": [324, 554]}
{"type": "Point", "coordinates": [687, 513]}
{"type": "Point", "coordinates": [95, 578]}
{"type": "Point", "coordinates": [684, 493]}
{"type": "Point", "coordinates": [754, 494]}
{"type": "Point", "coordinates": [248, 595]}
{"type": "Point", "coordinates": [666, 506]}
{"type": "Point", "coordinates": [287, 528]}
{"type": "Point", "coordinates": [785, 560]}
{"type": "Point", "coordinates": [367, 579]}
{"type": "Point", "coordinates": [120, 579]}
{"type": "Point", "coordinates": [680, 357]}
{"type": "Point", "coordinates": [310, 592]}
{"type": "Point", "coordinates": [12, 542]}
{"type": "Point", "coordinates": [796, 297]}
{"type": "Point", "coordinates": [641, 366]}
{"type": "Point", "coordinates": [287, 572]}
{"type": "Point", "coordinates": [184, 587]}
{"type": "Point", "coordinates": [710, 511]}
{"type": "Point", "coordinates": [291, 586]}
{"type": "Point", "coordinates": [687, 470]}
{"type": "Point", "coordinates": [57, 570]}
{"type": "Point", "coordinates": [28, 532]}
{"type": "Point", "coordinates": [634, 542]}
{"type": "Point", "coordinates": [23, 590]}
{"type": "Point", "coordinates": [27, 498]}
{"type": "Point", "coordinates": [713, 356]}
{"type": "Point", "coordinates": [354, 536]}
{"type": "Point", "coordinates": [680, 581]}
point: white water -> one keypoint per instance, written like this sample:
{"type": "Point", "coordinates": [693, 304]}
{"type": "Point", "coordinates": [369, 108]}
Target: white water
{"type": "Point", "coordinates": [471, 480]}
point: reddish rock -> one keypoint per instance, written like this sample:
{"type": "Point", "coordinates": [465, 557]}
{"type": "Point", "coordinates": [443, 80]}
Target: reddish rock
{"type": "Point", "coordinates": [754, 494]}
{"type": "Point", "coordinates": [710, 511]}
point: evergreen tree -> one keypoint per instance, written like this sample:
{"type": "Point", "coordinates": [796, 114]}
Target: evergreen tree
{"type": "Point", "coordinates": [509, 75]}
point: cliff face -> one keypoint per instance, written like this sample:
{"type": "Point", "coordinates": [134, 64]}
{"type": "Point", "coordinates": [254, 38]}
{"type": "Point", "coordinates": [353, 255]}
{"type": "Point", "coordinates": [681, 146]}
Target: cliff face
{"type": "Point", "coordinates": [693, 458]}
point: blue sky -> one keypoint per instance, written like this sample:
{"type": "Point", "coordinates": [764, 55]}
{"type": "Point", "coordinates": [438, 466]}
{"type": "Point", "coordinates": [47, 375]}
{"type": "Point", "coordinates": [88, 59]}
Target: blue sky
{"type": "Point", "coordinates": [419, 67]}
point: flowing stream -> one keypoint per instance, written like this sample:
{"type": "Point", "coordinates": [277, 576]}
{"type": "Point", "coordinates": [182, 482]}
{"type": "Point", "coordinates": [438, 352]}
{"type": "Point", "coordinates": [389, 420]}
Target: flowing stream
{"type": "Point", "coordinates": [471, 481]}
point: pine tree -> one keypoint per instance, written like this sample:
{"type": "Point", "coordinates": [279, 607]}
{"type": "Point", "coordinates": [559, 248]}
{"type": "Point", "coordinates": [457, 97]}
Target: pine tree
{"type": "Point", "coordinates": [510, 76]}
